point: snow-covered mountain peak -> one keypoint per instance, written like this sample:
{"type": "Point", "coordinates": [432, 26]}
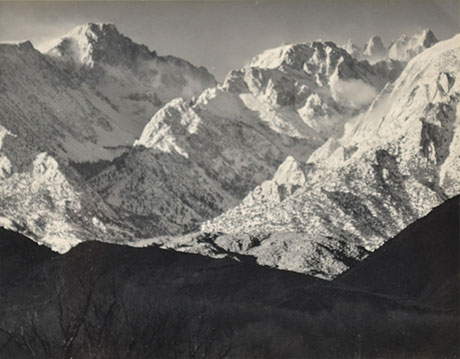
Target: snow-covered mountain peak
{"type": "Point", "coordinates": [313, 86]}
{"type": "Point", "coordinates": [352, 49]}
{"type": "Point", "coordinates": [428, 37]}
{"type": "Point", "coordinates": [295, 56]}
{"type": "Point", "coordinates": [375, 50]}
{"type": "Point", "coordinates": [271, 58]}
{"type": "Point", "coordinates": [290, 172]}
{"type": "Point", "coordinates": [406, 47]}
{"type": "Point", "coordinates": [164, 130]}
{"type": "Point", "coordinates": [375, 43]}
{"type": "Point", "coordinates": [394, 165]}
{"type": "Point", "coordinates": [421, 97]}
{"type": "Point", "coordinates": [91, 43]}
{"type": "Point", "coordinates": [132, 80]}
{"type": "Point", "coordinates": [93, 30]}
{"type": "Point", "coordinates": [403, 49]}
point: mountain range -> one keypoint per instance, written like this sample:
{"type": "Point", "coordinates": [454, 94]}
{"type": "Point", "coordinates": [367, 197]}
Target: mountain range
{"type": "Point", "coordinates": [401, 49]}
{"type": "Point", "coordinates": [308, 158]}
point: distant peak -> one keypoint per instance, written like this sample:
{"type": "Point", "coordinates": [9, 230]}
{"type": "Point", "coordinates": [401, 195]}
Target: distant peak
{"type": "Point", "coordinates": [376, 39]}
{"type": "Point", "coordinates": [95, 28]}
{"type": "Point", "coordinates": [425, 34]}
{"type": "Point", "coordinates": [349, 43]}
{"type": "Point", "coordinates": [294, 55]}
{"type": "Point", "coordinates": [406, 47]}
{"type": "Point", "coordinates": [428, 38]}
{"type": "Point", "coordinates": [101, 25]}
{"type": "Point", "coordinates": [92, 43]}
{"type": "Point", "coordinates": [427, 31]}
{"type": "Point", "coordinates": [351, 48]}
{"type": "Point", "coordinates": [375, 47]}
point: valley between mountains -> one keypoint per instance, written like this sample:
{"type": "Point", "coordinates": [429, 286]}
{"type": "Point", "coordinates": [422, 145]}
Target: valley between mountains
{"type": "Point", "coordinates": [307, 159]}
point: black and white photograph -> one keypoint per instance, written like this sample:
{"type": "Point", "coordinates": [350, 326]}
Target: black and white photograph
{"type": "Point", "coordinates": [224, 179]}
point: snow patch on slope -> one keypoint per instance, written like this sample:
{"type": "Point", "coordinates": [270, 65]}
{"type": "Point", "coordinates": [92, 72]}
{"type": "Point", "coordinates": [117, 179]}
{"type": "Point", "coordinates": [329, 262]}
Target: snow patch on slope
{"type": "Point", "coordinates": [394, 164]}
{"type": "Point", "coordinates": [406, 47]}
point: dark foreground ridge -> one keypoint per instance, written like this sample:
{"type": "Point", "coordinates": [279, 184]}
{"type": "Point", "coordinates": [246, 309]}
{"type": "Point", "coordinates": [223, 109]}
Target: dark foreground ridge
{"type": "Point", "coordinates": [108, 301]}
{"type": "Point", "coordinates": [421, 263]}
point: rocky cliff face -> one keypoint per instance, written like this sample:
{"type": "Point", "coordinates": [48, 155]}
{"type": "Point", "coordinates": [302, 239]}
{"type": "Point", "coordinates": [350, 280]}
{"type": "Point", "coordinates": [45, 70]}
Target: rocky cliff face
{"type": "Point", "coordinates": [313, 82]}
{"type": "Point", "coordinates": [55, 112]}
{"type": "Point", "coordinates": [402, 49]}
{"type": "Point", "coordinates": [92, 94]}
{"type": "Point", "coordinates": [392, 166]}
{"type": "Point", "coordinates": [406, 47]}
{"type": "Point", "coordinates": [49, 201]}
{"type": "Point", "coordinates": [307, 158]}
{"type": "Point", "coordinates": [135, 81]}
{"type": "Point", "coordinates": [375, 50]}
{"type": "Point", "coordinates": [286, 102]}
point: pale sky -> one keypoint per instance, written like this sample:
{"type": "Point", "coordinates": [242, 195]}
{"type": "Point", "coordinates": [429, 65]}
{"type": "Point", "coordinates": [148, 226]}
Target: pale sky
{"type": "Point", "coordinates": [223, 35]}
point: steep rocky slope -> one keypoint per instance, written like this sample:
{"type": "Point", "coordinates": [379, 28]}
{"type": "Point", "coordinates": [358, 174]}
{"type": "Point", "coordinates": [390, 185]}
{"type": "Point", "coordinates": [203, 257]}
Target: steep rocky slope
{"type": "Point", "coordinates": [90, 95]}
{"type": "Point", "coordinates": [402, 49]}
{"type": "Point", "coordinates": [406, 47]}
{"type": "Point", "coordinates": [286, 102]}
{"type": "Point", "coordinates": [204, 152]}
{"type": "Point", "coordinates": [374, 50]}
{"type": "Point", "coordinates": [55, 112]}
{"type": "Point", "coordinates": [49, 201]}
{"type": "Point", "coordinates": [392, 166]}
{"type": "Point", "coordinates": [51, 109]}
{"type": "Point", "coordinates": [134, 80]}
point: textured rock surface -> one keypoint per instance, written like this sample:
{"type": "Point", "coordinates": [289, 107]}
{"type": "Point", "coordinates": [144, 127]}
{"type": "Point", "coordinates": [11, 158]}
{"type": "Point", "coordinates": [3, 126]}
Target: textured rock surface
{"type": "Point", "coordinates": [375, 50]}
{"type": "Point", "coordinates": [406, 47]}
{"type": "Point", "coordinates": [55, 110]}
{"type": "Point", "coordinates": [134, 80]}
{"type": "Point", "coordinates": [52, 109]}
{"type": "Point", "coordinates": [299, 170]}
{"type": "Point", "coordinates": [402, 49]}
{"type": "Point", "coordinates": [49, 201]}
{"type": "Point", "coordinates": [82, 105]}
{"type": "Point", "coordinates": [392, 166]}
{"type": "Point", "coordinates": [198, 158]}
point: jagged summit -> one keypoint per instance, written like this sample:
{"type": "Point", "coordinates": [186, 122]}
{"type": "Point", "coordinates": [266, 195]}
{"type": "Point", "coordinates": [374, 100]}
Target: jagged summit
{"type": "Point", "coordinates": [92, 43]}
{"type": "Point", "coordinates": [131, 79]}
{"type": "Point", "coordinates": [429, 39]}
{"type": "Point", "coordinates": [393, 165]}
{"type": "Point", "coordinates": [319, 80]}
{"type": "Point", "coordinates": [290, 171]}
{"type": "Point", "coordinates": [209, 147]}
{"type": "Point", "coordinates": [352, 49]}
{"type": "Point", "coordinates": [296, 55]}
{"type": "Point", "coordinates": [406, 47]}
{"type": "Point", "coordinates": [375, 49]}
{"type": "Point", "coordinates": [402, 49]}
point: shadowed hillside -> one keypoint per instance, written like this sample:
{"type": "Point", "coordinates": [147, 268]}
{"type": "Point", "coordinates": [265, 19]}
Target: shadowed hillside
{"type": "Point", "coordinates": [421, 263]}
{"type": "Point", "coordinates": [110, 301]}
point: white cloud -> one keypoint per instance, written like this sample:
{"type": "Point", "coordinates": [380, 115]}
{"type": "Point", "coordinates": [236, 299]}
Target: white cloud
{"type": "Point", "coordinates": [354, 93]}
